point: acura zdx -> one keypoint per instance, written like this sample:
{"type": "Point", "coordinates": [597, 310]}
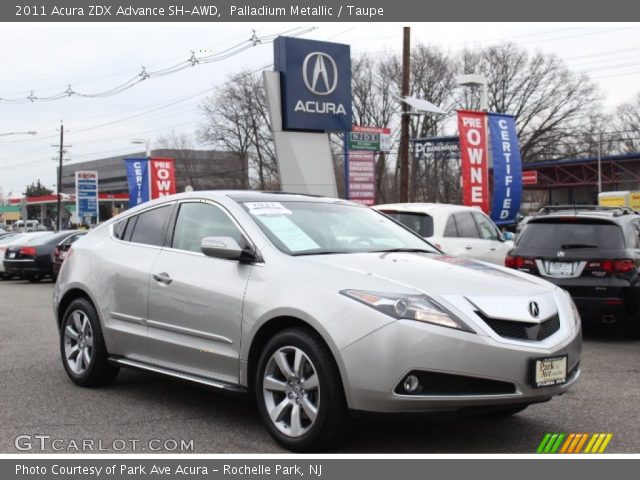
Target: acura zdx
{"type": "Point", "coordinates": [315, 306]}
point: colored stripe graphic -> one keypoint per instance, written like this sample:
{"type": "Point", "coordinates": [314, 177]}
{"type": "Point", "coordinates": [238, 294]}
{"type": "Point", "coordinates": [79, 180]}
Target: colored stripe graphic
{"type": "Point", "coordinates": [556, 442]}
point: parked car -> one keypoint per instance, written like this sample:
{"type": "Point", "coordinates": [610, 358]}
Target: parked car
{"type": "Point", "coordinates": [592, 252]}
{"type": "Point", "coordinates": [61, 250]}
{"type": "Point", "coordinates": [315, 306]}
{"type": "Point", "coordinates": [32, 257]}
{"type": "Point", "coordinates": [454, 229]}
{"type": "Point", "coordinates": [10, 240]}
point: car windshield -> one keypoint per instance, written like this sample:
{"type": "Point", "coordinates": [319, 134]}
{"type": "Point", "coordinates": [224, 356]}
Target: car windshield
{"type": "Point", "coordinates": [317, 228]}
{"type": "Point", "coordinates": [571, 235]}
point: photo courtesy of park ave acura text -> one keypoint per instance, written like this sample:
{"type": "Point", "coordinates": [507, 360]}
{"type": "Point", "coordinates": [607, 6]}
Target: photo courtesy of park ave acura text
{"type": "Point", "coordinates": [235, 235]}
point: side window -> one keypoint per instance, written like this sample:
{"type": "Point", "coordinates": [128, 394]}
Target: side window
{"type": "Point", "coordinates": [487, 229]}
{"type": "Point", "coordinates": [450, 229]}
{"type": "Point", "coordinates": [150, 226]}
{"type": "Point", "coordinates": [119, 229]}
{"type": "Point", "coordinates": [466, 225]}
{"type": "Point", "coordinates": [199, 220]}
{"type": "Point", "coordinates": [633, 234]}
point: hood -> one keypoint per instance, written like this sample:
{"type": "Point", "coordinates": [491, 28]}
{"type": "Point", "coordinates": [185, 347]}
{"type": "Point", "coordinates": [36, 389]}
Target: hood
{"type": "Point", "coordinates": [436, 274]}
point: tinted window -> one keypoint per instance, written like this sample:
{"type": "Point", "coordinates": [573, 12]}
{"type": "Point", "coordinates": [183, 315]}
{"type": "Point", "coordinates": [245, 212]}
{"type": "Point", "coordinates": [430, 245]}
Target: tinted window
{"type": "Point", "coordinates": [119, 228]}
{"type": "Point", "coordinates": [487, 229]}
{"type": "Point", "coordinates": [451, 230]}
{"type": "Point", "coordinates": [571, 235]}
{"type": "Point", "coordinates": [420, 223]}
{"type": "Point", "coordinates": [150, 226]}
{"type": "Point", "coordinates": [466, 225]}
{"type": "Point", "coordinates": [199, 220]}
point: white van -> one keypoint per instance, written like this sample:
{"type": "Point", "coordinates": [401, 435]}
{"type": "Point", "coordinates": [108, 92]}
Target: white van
{"type": "Point", "coordinates": [31, 226]}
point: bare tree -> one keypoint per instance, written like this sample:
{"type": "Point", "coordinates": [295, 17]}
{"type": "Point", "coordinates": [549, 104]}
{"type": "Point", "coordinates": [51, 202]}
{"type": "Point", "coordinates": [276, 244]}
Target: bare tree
{"type": "Point", "coordinates": [626, 121]}
{"type": "Point", "coordinates": [548, 100]}
{"type": "Point", "coordinates": [236, 119]}
{"type": "Point", "coordinates": [189, 173]}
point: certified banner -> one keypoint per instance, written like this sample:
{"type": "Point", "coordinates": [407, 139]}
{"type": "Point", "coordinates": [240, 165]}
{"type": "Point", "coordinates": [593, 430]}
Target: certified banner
{"type": "Point", "coordinates": [507, 168]}
{"type": "Point", "coordinates": [87, 197]}
{"type": "Point", "coordinates": [473, 154]}
{"type": "Point", "coordinates": [162, 173]}
{"type": "Point", "coordinates": [138, 179]}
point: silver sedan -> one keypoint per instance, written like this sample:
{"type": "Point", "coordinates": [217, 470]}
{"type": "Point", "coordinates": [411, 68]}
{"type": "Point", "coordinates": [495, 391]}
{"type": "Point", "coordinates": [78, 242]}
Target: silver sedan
{"type": "Point", "coordinates": [315, 306]}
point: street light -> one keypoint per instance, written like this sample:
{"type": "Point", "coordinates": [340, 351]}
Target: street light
{"type": "Point", "coordinates": [143, 141]}
{"type": "Point", "coordinates": [30, 132]}
{"type": "Point", "coordinates": [473, 80]}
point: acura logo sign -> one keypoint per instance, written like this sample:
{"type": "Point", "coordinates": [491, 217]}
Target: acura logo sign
{"type": "Point", "coordinates": [534, 309]}
{"type": "Point", "coordinates": [320, 73]}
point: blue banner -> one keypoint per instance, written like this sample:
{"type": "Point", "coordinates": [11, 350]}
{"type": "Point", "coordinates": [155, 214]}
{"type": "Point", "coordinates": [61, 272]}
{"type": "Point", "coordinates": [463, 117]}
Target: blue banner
{"type": "Point", "coordinates": [138, 178]}
{"type": "Point", "coordinates": [507, 168]}
{"type": "Point", "coordinates": [315, 84]}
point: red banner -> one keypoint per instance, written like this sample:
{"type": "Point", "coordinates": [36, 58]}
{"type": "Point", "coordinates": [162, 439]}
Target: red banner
{"type": "Point", "coordinates": [163, 179]}
{"type": "Point", "coordinates": [474, 156]}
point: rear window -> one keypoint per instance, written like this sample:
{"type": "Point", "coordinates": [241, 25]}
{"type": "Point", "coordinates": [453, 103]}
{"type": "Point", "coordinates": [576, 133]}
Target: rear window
{"type": "Point", "coordinates": [571, 235]}
{"type": "Point", "coordinates": [421, 223]}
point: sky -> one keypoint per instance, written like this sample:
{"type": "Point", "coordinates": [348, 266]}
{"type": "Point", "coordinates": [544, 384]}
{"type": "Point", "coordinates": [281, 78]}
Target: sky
{"type": "Point", "coordinates": [46, 59]}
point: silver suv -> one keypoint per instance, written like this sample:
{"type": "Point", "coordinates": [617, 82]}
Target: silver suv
{"type": "Point", "coordinates": [315, 306]}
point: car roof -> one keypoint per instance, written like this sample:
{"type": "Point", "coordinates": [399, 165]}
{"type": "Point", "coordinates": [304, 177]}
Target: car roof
{"type": "Point", "coordinates": [617, 215]}
{"type": "Point", "coordinates": [426, 207]}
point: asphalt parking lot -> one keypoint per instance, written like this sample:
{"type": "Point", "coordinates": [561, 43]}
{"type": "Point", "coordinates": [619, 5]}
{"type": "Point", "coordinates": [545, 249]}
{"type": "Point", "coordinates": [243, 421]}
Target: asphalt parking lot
{"type": "Point", "coordinates": [36, 398]}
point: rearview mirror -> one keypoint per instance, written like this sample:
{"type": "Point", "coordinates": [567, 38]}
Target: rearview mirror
{"type": "Point", "coordinates": [226, 248]}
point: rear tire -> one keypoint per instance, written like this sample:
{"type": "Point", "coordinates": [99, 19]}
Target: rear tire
{"type": "Point", "coordinates": [299, 391]}
{"type": "Point", "coordinates": [33, 278]}
{"type": "Point", "coordinates": [84, 354]}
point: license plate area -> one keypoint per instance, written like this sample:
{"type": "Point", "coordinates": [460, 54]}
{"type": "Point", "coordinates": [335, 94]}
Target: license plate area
{"type": "Point", "coordinates": [560, 269]}
{"type": "Point", "coordinates": [549, 371]}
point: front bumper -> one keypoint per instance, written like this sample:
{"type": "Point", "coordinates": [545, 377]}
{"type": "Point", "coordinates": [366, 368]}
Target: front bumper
{"type": "Point", "coordinates": [377, 363]}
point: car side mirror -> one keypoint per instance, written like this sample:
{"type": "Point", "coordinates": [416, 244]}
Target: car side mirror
{"type": "Point", "coordinates": [226, 248]}
{"type": "Point", "coordinates": [507, 236]}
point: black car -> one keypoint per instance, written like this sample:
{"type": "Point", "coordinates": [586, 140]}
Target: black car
{"type": "Point", "coordinates": [62, 249]}
{"type": "Point", "coordinates": [33, 259]}
{"type": "Point", "coordinates": [592, 252]}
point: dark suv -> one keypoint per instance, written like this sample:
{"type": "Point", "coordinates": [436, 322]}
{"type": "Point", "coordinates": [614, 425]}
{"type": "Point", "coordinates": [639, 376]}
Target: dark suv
{"type": "Point", "coordinates": [593, 252]}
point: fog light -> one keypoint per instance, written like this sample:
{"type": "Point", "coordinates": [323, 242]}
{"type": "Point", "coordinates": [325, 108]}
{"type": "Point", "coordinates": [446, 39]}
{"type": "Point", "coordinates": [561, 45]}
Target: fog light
{"type": "Point", "coordinates": [411, 384]}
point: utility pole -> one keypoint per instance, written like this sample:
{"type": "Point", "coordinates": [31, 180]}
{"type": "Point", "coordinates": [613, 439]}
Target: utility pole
{"type": "Point", "coordinates": [60, 159]}
{"type": "Point", "coordinates": [404, 126]}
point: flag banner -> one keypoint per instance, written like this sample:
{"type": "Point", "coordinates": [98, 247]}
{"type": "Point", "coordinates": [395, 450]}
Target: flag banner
{"type": "Point", "coordinates": [87, 197]}
{"type": "Point", "coordinates": [473, 154]}
{"type": "Point", "coordinates": [507, 168]}
{"type": "Point", "coordinates": [163, 178]}
{"type": "Point", "coordinates": [138, 179]}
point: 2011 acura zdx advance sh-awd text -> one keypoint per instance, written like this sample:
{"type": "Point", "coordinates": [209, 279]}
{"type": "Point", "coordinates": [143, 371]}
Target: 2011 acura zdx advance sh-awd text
{"type": "Point", "coordinates": [316, 306]}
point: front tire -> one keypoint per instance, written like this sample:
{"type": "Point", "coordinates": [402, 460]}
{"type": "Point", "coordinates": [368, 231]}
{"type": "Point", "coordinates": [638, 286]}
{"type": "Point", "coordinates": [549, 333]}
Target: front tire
{"type": "Point", "coordinates": [84, 354]}
{"type": "Point", "coordinates": [299, 391]}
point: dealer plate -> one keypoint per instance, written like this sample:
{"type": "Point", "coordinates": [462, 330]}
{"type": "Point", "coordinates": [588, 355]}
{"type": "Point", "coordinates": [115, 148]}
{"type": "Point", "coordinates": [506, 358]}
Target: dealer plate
{"type": "Point", "coordinates": [550, 371]}
{"type": "Point", "coordinates": [560, 269]}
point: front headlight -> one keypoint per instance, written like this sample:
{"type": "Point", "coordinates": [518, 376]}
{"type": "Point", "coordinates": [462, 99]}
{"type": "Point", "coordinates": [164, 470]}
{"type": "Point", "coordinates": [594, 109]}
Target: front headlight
{"type": "Point", "coordinates": [409, 307]}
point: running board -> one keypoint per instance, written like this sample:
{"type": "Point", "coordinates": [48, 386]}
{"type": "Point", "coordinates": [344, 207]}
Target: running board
{"type": "Point", "coordinates": [125, 362]}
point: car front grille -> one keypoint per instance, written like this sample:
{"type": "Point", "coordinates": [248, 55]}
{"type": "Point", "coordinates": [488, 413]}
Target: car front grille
{"type": "Point", "coordinates": [522, 330]}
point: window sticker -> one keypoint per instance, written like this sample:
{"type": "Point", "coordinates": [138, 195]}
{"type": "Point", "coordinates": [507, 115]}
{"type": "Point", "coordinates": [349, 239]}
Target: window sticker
{"type": "Point", "coordinates": [293, 237]}
{"type": "Point", "coordinates": [267, 208]}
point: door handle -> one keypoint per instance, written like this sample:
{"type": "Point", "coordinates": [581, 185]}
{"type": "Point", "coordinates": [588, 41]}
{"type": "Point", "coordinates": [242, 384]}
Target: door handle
{"type": "Point", "coordinates": [163, 278]}
{"type": "Point", "coordinates": [493, 249]}
{"type": "Point", "coordinates": [469, 247]}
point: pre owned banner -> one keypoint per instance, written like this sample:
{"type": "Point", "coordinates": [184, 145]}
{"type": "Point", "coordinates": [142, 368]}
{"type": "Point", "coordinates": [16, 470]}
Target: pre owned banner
{"type": "Point", "coordinates": [473, 153]}
{"type": "Point", "coordinates": [162, 173]}
{"type": "Point", "coordinates": [507, 168]}
{"type": "Point", "coordinates": [138, 179]}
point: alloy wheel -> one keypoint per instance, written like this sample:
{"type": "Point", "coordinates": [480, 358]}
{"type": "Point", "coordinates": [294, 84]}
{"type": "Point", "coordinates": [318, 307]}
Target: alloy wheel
{"type": "Point", "coordinates": [291, 391]}
{"type": "Point", "coordinates": [78, 342]}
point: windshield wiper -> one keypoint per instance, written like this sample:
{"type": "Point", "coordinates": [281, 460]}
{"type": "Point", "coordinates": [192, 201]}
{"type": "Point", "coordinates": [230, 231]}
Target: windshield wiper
{"type": "Point", "coordinates": [569, 246]}
{"type": "Point", "coordinates": [403, 250]}
{"type": "Point", "coordinates": [328, 252]}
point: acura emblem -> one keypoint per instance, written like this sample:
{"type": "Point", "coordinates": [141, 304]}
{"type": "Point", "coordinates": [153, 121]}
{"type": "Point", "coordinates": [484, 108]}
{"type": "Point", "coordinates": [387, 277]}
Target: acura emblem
{"type": "Point", "coordinates": [560, 253]}
{"type": "Point", "coordinates": [324, 74]}
{"type": "Point", "coordinates": [534, 309]}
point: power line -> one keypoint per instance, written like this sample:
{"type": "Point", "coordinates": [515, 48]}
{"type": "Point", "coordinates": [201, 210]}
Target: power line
{"type": "Point", "coordinates": [145, 74]}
